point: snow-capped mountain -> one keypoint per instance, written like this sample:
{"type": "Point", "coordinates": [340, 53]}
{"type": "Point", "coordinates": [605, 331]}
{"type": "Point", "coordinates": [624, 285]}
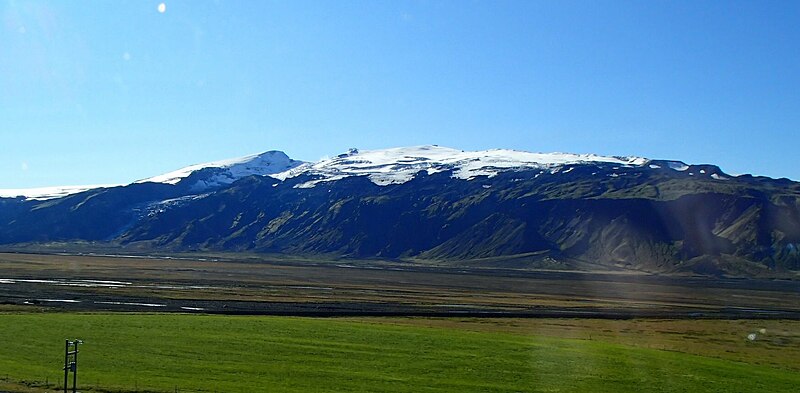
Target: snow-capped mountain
{"type": "Point", "coordinates": [382, 167]}
{"type": "Point", "coordinates": [227, 171]}
{"type": "Point", "coordinates": [203, 176]}
{"type": "Point", "coordinates": [430, 202]}
{"type": "Point", "coordinates": [399, 165]}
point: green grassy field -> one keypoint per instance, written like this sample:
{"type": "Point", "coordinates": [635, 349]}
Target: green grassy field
{"type": "Point", "coordinates": [162, 352]}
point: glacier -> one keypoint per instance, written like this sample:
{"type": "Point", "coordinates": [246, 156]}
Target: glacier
{"type": "Point", "coordinates": [382, 166]}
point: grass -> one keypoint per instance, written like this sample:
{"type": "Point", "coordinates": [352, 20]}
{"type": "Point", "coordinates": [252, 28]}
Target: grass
{"type": "Point", "coordinates": [778, 346]}
{"type": "Point", "coordinates": [165, 352]}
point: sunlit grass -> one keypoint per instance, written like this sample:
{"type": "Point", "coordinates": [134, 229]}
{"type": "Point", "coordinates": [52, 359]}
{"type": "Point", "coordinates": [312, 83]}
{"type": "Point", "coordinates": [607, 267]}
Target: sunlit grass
{"type": "Point", "coordinates": [162, 352]}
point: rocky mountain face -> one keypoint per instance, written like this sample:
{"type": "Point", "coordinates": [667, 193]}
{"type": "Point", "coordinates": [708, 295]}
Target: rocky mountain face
{"type": "Point", "coordinates": [495, 208]}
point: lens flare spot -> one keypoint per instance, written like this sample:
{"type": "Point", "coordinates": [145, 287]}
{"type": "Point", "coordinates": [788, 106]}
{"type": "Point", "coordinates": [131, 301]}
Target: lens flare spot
{"type": "Point", "coordinates": [162, 8]}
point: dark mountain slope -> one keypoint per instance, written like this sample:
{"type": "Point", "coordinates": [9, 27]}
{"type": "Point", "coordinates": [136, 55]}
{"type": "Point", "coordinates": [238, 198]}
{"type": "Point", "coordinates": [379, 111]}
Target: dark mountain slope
{"type": "Point", "coordinates": [656, 221]}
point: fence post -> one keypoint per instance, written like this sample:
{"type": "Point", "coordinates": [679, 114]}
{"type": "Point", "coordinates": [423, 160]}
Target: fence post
{"type": "Point", "coordinates": [66, 365]}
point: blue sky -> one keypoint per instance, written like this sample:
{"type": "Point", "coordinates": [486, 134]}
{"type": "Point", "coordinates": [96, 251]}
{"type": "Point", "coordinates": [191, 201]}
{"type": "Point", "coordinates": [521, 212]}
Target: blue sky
{"type": "Point", "coordinates": [114, 91]}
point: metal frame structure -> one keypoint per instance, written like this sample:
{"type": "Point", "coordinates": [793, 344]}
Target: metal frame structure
{"type": "Point", "coordinates": [71, 364]}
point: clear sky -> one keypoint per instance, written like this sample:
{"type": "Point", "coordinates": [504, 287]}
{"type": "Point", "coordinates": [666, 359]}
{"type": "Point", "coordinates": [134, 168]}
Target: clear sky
{"type": "Point", "coordinates": [113, 91]}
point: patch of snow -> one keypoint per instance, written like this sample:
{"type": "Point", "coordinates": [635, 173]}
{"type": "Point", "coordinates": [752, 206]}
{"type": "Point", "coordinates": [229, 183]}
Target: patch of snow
{"type": "Point", "coordinates": [45, 193]}
{"type": "Point", "coordinates": [718, 177]}
{"type": "Point", "coordinates": [678, 166]}
{"type": "Point", "coordinates": [654, 166]}
{"type": "Point", "coordinates": [162, 206]}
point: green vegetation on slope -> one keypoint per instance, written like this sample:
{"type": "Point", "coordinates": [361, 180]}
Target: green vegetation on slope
{"type": "Point", "coordinates": [160, 352]}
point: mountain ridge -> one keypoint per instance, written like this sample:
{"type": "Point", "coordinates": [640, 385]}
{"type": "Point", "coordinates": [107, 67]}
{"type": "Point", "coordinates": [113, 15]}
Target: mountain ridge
{"type": "Point", "coordinates": [383, 166]}
{"type": "Point", "coordinates": [568, 212]}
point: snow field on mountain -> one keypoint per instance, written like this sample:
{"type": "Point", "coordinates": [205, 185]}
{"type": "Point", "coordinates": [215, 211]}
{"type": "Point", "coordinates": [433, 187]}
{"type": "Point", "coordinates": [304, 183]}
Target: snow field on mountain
{"type": "Point", "coordinates": [399, 165]}
{"type": "Point", "coordinates": [44, 193]}
{"type": "Point", "coordinates": [382, 167]}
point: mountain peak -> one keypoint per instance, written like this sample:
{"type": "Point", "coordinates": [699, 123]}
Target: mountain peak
{"type": "Point", "coordinates": [227, 171]}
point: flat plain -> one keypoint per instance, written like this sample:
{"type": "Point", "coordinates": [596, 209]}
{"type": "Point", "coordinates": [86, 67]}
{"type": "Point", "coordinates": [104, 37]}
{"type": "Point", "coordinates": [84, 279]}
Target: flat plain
{"type": "Point", "coordinates": [281, 286]}
{"type": "Point", "coordinates": [169, 324]}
